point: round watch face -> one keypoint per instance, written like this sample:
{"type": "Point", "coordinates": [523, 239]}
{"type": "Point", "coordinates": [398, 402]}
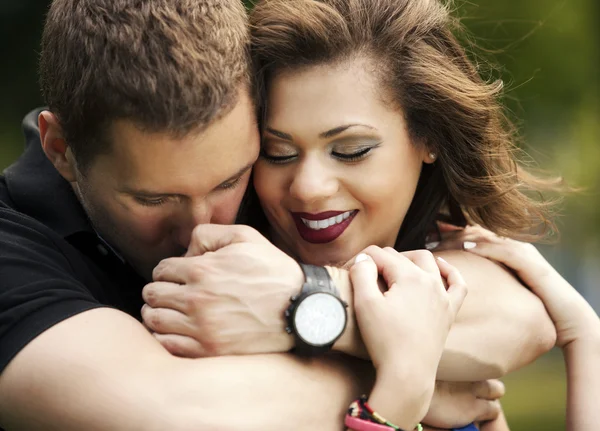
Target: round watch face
{"type": "Point", "coordinates": [320, 318]}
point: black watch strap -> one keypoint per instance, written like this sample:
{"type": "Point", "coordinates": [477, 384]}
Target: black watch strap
{"type": "Point", "coordinates": [317, 279]}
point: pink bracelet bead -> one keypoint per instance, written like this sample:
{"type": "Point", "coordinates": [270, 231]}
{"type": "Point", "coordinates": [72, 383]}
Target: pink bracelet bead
{"type": "Point", "coordinates": [361, 425]}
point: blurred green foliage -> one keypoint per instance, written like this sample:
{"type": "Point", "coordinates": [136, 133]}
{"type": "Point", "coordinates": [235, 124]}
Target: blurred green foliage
{"type": "Point", "coordinates": [549, 57]}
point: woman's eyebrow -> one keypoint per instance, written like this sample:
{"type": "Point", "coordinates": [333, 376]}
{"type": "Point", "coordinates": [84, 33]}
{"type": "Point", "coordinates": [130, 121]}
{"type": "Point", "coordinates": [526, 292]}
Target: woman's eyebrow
{"type": "Point", "coordinates": [325, 135]}
{"type": "Point", "coordinates": [337, 130]}
{"type": "Point", "coordinates": [281, 135]}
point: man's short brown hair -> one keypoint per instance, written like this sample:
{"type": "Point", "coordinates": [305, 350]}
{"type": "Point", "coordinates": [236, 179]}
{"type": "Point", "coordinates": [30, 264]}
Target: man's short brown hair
{"type": "Point", "coordinates": [167, 65]}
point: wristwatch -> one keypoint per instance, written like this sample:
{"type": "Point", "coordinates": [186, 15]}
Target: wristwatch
{"type": "Point", "coordinates": [317, 316]}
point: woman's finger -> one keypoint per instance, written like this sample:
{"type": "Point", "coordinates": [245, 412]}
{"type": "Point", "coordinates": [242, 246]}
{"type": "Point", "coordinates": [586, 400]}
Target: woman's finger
{"type": "Point", "coordinates": [457, 288]}
{"type": "Point", "coordinates": [424, 260]}
{"type": "Point", "coordinates": [364, 275]}
{"type": "Point", "coordinates": [391, 267]}
{"type": "Point", "coordinates": [500, 251]}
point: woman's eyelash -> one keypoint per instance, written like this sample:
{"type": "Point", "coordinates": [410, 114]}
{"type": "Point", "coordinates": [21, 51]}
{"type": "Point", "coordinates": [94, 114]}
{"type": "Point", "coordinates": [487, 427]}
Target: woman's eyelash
{"type": "Point", "coordinates": [276, 159]}
{"type": "Point", "coordinates": [353, 156]}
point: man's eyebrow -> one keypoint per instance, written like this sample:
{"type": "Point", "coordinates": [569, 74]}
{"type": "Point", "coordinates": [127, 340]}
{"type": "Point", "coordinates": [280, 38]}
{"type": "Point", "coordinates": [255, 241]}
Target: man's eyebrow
{"type": "Point", "coordinates": [237, 174]}
{"type": "Point", "coordinates": [337, 130]}
{"type": "Point", "coordinates": [145, 193]}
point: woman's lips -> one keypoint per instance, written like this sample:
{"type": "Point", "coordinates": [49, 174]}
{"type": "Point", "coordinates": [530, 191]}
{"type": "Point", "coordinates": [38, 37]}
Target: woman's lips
{"type": "Point", "coordinates": [323, 227]}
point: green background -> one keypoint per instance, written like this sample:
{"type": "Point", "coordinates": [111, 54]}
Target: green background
{"type": "Point", "coordinates": [548, 52]}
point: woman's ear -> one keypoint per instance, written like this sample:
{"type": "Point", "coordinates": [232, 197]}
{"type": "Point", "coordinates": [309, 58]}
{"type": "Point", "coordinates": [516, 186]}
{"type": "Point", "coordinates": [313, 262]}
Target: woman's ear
{"type": "Point", "coordinates": [55, 146]}
{"type": "Point", "coordinates": [430, 156]}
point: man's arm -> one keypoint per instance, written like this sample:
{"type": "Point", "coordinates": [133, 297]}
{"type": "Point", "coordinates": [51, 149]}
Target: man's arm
{"type": "Point", "coordinates": [233, 270]}
{"type": "Point", "coordinates": [501, 326]}
{"type": "Point", "coordinates": [102, 370]}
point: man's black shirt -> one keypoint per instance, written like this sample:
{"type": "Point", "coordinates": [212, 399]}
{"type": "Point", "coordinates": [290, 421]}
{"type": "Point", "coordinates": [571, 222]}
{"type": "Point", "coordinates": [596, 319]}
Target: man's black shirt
{"type": "Point", "coordinates": [53, 265]}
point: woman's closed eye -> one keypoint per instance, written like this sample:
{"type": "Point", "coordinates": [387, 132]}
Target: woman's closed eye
{"type": "Point", "coordinates": [349, 154]}
{"type": "Point", "coordinates": [357, 154]}
{"type": "Point", "coordinates": [277, 158]}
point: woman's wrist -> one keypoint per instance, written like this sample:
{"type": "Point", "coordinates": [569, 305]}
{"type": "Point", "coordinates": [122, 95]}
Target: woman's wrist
{"type": "Point", "coordinates": [350, 343]}
{"type": "Point", "coordinates": [587, 342]}
{"type": "Point", "coordinates": [402, 396]}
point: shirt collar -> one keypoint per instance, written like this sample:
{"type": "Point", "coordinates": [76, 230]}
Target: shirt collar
{"type": "Point", "coordinates": [38, 190]}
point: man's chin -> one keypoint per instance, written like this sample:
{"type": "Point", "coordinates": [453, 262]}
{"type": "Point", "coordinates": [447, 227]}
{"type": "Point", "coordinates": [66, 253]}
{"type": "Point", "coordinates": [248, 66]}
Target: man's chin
{"type": "Point", "coordinates": [146, 267]}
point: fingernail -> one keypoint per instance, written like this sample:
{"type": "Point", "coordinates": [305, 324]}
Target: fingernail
{"type": "Point", "coordinates": [441, 259]}
{"type": "Point", "coordinates": [468, 245]}
{"type": "Point", "coordinates": [361, 258]}
{"type": "Point", "coordinates": [431, 245]}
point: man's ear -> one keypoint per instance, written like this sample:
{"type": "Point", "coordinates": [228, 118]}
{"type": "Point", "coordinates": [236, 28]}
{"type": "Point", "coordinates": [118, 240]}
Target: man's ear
{"type": "Point", "coordinates": [55, 146]}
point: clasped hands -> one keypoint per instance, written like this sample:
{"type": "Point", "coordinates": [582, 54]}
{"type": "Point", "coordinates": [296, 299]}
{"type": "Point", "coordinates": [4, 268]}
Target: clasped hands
{"type": "Point", "coordinates": [228, 294]}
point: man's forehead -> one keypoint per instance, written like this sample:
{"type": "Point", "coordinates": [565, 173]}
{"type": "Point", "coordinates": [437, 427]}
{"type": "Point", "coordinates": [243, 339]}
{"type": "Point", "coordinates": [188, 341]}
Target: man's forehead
{"type": "Point", "coordinates": [153, 161]}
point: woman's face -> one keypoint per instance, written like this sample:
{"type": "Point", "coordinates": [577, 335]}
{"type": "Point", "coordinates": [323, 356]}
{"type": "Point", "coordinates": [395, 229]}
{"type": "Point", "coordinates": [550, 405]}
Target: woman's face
{"type": "Point", "coordinates": [338, 170]}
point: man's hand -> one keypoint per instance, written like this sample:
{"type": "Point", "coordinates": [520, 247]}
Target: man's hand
{"type": "Point", "coordinates": [226, 296]}
{"type": "Point", "coordinates": [457, 404]}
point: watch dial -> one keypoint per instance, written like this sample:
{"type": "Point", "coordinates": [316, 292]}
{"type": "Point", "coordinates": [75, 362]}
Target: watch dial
{"type": "Point", "coordinates": [320, 319]}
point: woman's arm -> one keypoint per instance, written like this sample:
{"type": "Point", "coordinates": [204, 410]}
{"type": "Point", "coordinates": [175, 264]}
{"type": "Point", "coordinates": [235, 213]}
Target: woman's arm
{"type": "Point", "coordinates": [404, 329]}
{"type": "Point", "coordinates": [577, 324]}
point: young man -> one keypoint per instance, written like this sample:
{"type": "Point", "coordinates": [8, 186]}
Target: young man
{"type": "Point", "coordinates": [151, 132]}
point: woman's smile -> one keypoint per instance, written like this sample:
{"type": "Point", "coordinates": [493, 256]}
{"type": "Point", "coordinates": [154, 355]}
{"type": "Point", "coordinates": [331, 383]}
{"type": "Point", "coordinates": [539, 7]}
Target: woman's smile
{"type": "Point", "coordinates": [324, 227]}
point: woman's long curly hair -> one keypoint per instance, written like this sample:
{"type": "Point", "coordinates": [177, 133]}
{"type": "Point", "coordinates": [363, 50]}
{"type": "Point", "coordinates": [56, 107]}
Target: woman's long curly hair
{"type": "Point", "coordinates": [448, 106]}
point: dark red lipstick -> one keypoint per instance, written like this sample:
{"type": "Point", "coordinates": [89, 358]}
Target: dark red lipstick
{"type": "Point", "coordinates": [323, 235]}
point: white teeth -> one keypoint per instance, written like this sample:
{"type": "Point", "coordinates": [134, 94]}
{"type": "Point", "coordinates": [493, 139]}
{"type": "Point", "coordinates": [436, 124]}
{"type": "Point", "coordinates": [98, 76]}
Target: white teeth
{"type": "Point", "coordinates": [324, 224]}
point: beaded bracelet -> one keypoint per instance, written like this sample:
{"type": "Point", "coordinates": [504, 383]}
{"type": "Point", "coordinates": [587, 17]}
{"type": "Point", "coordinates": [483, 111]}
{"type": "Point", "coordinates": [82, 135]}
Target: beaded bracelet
{"type": "Point", "coordinates": [361, 410]}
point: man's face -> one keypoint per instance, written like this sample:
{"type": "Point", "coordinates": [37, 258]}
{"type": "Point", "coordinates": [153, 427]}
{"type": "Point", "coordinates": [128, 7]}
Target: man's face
{"type": "Point", "coordinates": [146, 196]}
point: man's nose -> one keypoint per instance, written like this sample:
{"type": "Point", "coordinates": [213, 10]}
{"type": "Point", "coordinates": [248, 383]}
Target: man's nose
{"type": "Point", "coordinates": [313, 181]}
{"type": "Point", "coordinates": [196, 214]}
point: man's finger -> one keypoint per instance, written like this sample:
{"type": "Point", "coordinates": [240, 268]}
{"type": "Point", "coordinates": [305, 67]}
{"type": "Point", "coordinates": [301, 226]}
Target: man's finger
{"type": "Point", "coordinates": [166, 295]}
{"type": "Point", "coordinates": [488, 410]}
{"type": "Point", "coordinates": [489, 389]}
{"type": "Point", "coordinates": [180, 345]}
{"type": "Point", "coordinates": [497, 424]}
{"type": "Point", "coordinates": [166, 321]}
{"type": "Point", "coordinates": [180, 270]}
{"type": "Point", "coordinates": [212, 237]}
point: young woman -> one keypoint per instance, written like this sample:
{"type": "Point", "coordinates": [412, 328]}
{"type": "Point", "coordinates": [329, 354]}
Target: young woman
{"type": "Point", "coordinates": [375, 123]}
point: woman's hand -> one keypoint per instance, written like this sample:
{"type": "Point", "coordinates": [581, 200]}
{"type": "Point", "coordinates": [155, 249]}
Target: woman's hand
{"type": "Point", "coordinates": [405, 327]}
{"type": "Point", "coordinates": [573, 317]}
